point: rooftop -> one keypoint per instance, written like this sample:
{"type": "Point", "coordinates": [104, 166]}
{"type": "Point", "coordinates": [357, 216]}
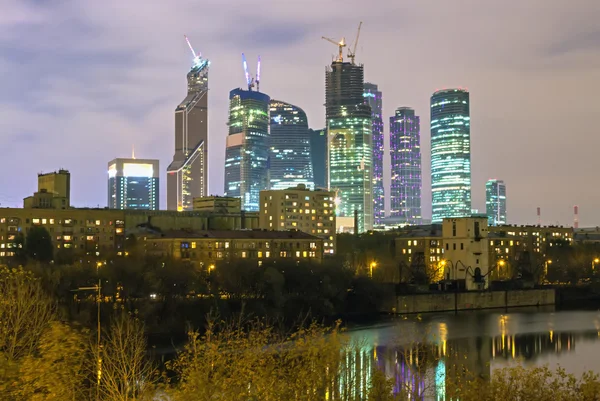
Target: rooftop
{"type": "Point", "coordinates": [238, 234]}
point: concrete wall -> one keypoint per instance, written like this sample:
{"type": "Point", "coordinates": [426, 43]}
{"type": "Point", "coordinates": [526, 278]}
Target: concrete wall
{"type": "Point", "coordinates": [448, 301]}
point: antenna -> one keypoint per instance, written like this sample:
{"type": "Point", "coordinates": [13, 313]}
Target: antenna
{"type": "Point", "coordinates": [352, 54]}
{"type": "Point", "coordinates": [133, 151]}
{"type": "Point", "coordinates": [258, 75]}
{"type": "Point", "coordinates": [191, 48]}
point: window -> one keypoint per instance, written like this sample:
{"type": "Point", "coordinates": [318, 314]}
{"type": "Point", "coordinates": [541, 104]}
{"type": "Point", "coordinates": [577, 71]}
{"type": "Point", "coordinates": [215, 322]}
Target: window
{"type": "Point", "coordinates": [35, 221]}
{"type": "Point", "coordinates": [454, 247]}
{"type": "Point", "coordinates": [193, 245]}
{"type": "Point", "coordinates": [447, 247]}
{"type": "Point", "coordinates": [98, 222]}
{"type": "Point", "coordinates": [260, 254]}
{"type": "Point", "coordinates": [462, 246]}
{"type": "Point", "coordinates": [67, 238]}
{"type": "Point", "coordinates": [297, 254]}
{"type": "Point", "coordinates": [90, 237]}
{"type": "Point", "coordinates": [244, 254]}
{"type": "Point", "coordinates": [44, 221]}
{"type": "Point", "coordinates": [454, 229]}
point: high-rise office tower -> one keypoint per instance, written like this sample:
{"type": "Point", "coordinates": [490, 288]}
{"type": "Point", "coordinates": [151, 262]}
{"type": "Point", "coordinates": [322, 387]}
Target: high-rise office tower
{"type": "Point", "coordinates": [187, 175]}
{"type": "Point", "coordinates": [495, 202]}
{"type": "Point", "coordinates": [290, 156]}
{"type": "Point", "coordinates": [133, 184]}
{"type": "Point", "coordinates": [247, 151]}
{"type": "Point", "coordinates": [350, 151]}
{"type": "Point", "coordinates": [318, 154]}
{"type": "Point", "coordinates": [405, 151]}
{"type": "Point", "coordinates": [373, 98]}
{"type": "Point", "coordinates": [450, 154]}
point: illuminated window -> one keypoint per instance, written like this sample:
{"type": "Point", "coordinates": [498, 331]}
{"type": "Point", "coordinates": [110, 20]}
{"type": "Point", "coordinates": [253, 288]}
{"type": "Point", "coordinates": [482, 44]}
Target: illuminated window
{"type": "Point", "coordinates": [260, 254]}
{"type": "Point", "coordinates": [44, 221]}
{"type": "Point", "coordinates": [67, 238]}
{"type": "Point", "coordinates": [304, 254]}
{"type": "Point", "coordinates": [297, 254]}
{"type": "Point", "coordinates": [35, 221]}
{"type": "Point", "coordinates": [267, 254]}
{"type": "Point", "coordinates": [51, 221]}
{"type": "Point", "coordinates": [90, 237]}
{"type": "Point", "coordinates": [98, 222]}
{"type": "Point", "coordinates": [119, 230]}
{"type": "Point", "coordinates": [226, 245]}
{"type": "Point", "coordinates": [193, 245]}
{"type": "Point", "coordinates": [244, 254]}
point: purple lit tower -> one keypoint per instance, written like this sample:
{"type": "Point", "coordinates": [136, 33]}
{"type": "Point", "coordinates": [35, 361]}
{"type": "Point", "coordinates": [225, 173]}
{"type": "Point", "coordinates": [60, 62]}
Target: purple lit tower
{"type": "Point", "coordinates": [373, 98]}
{"type": "Point", "coordinates": [405, 148]}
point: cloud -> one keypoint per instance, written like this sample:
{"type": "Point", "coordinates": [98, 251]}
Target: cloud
{"type": "Point", "coordinates": [81, 81]}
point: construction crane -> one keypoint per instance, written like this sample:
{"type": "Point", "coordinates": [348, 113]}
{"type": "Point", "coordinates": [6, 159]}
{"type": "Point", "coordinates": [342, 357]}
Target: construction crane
{"type": "Point", "coordinates": [341, 44]}
{"type": "Point", "coordinates": [352, 55]}
{"type": "Point", "coordinates": [196, 56]}
{"type": "Point", "coordinates": [250, 81]}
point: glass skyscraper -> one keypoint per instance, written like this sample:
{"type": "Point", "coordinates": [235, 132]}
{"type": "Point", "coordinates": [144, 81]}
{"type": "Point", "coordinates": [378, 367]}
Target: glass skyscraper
{"type": "Point", "coordinates": [405, 152]}
{"type": "Point", "coordinates": [495, 202]}
{"type": "Point", "coordinates": [450, 154]}
{"type": "Point", "coordinates": [247, 149]}
{"type": "Point", "coordinates": [374, 100]}
{"type": "Point", "coordinates": [133, 184]}
{"type": "Point", "coordinates": [318, 155]}
{"type": "Point", "coordinates": [187, 175]}
{"type": "Point", "coordinates": [350, 152]}
{"type": "Point", "coordinates": [290, 156]}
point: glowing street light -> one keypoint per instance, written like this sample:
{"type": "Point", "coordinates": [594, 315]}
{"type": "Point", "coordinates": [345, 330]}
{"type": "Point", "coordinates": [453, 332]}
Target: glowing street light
{"type": "Point", "coordinates": [371, 267]}
{"type": "Point", "coordinates": [594, 263]}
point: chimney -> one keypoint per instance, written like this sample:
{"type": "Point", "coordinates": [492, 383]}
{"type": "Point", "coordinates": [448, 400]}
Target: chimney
{"type": "Point", "coordinates": [576, 217]}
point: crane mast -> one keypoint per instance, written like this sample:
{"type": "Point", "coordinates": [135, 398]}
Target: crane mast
{"type": "Point", "coordinates": [250, 81]}
{"type": "Point", "coordinates": [341, 44]}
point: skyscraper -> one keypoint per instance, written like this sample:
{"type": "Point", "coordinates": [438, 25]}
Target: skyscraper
{"type": "Point", "coordinates": [405, 150]}
{"type": "Point", "coordinates": [318, 155]}
{"type": "Point", "coordinates": [247, 151]}
{"type": "Point", "coordinates": [495, 202]}
{"type": "Point", "coordinates": [373, 98]}
{"type": "Point", "coordinates": [133, 184]}
{"type": "Point", "coordinates": [350, 154]}
{"type": "Point", "coordinates": [187, 175]}
{"type": "Point", "coordinates": [290, 156]}
{"type": "Point", "coordinates": [450, 154]}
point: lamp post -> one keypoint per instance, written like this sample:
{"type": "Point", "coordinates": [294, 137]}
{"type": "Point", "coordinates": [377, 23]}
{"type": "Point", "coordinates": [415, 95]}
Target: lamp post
{"type": "Point", "coordinates": [548, 262]}
{"type": "Point", "coordinates": [371, 267]}
{"type": "Point", "coordinates": [594, 263]}
{"type": "Point", "coordinates": [501, 264]}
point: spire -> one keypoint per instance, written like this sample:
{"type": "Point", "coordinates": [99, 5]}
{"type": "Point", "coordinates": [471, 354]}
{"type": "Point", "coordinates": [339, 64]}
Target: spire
{"type": "Point", "coordinates": [133, 151]}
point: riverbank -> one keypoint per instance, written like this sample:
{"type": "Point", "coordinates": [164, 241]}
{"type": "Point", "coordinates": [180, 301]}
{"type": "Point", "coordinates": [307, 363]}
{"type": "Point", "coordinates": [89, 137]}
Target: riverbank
{"type": "Point", "coordinates": [463, 301]}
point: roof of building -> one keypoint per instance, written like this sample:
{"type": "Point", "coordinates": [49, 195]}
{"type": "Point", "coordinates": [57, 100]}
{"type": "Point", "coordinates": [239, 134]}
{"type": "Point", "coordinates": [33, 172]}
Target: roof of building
{"type": "Point", "coordinates": [237, 234]}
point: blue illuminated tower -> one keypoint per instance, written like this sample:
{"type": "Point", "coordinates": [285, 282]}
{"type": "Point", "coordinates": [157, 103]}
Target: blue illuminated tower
{"type": "Point", "coordinates": [405, 152]}
{"type": "Point", "coordinates": [290, 147]}
{"type": "Point", "coordinates": [373, 98]}
{"type": "Point", "coordinates": [495, 202]}
{"type": "Point", "coordinates": [247, 148]}
{"type": "Point", "coordinates": [450, 154]}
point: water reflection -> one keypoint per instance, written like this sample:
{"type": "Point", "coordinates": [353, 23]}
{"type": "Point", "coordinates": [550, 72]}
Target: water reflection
{"type": "Point", "coordinates": [422, 355]}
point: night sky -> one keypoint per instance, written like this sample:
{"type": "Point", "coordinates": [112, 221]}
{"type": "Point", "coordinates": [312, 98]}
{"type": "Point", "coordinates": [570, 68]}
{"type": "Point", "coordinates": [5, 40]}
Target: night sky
{"type": "Point", "coordinates": [82, 81]}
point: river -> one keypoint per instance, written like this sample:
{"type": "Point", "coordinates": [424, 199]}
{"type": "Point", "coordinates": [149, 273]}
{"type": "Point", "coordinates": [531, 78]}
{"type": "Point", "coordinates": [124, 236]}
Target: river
{"type": "Point", "coordinates": [419, 352]}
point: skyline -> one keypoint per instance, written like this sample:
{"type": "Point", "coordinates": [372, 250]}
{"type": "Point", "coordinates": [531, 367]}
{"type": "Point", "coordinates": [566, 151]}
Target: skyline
{"type": "Point", "coordinates": [115, 81]}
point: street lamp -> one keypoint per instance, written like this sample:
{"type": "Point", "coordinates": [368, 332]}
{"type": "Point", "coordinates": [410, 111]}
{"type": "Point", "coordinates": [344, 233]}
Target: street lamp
{"type": "Point", "coordinates": [548, 262]}
{"type": "Point", "coordinates": [371, 267]}
{"type": "Point", "coordinates": [501, 264]}
{"type": "Point", "coordinates": [594, 263]}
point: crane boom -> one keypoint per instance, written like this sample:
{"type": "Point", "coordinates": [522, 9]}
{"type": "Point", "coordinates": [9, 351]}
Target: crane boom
{"type": "Point", "coordinates": [246, 73]}
{"type": "Point", "coordinates": [341, 44]}
{"type": "Point", "coordinates": [258, 75]}
{"type": "Point", "coordinates": [352, 54]}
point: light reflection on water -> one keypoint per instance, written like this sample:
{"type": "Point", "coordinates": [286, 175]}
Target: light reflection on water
{"type": "Point", "coordinates": [421, 352]}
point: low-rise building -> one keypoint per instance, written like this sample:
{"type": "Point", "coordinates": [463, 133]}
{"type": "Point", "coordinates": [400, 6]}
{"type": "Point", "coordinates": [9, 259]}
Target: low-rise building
{"type": "Point", "coordinates": [213, 247]}
{"type": "Point", "coordinates": [218, 204]}
{"type": "Point", "coordinates": [54, 191]}
{"type": "Point", "coordinates": [299, 208]}
{"type": "Point", "coordinates": [505, 248]}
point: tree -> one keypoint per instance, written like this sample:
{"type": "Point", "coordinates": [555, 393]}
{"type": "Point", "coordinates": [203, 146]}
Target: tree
{"type": "Point", "coordinates": [126, 372]}
{"type": "Point", "coordinates": [38, 244]}
{"type": "Point", "coordinates": [60, 367]}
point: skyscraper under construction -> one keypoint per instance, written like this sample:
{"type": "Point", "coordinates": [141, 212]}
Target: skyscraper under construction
{"type": "Point", "coordinates": [187, 175]}
{"type": "Point", "coordinates": [350, 154]}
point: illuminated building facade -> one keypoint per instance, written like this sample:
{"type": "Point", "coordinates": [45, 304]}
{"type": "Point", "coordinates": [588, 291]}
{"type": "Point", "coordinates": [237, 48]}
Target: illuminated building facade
{"type": "Point", "coordinates": [133, 184]}
{"type": "Point", "coordinates": [290, 161]}
{"type": "Point", "coordinates": [318, 154]}
{"type": "Point", "coordinates": [187, 175]}
{"type": "Point", "coordinates": [405, 151]}
{"type": "Point", "coordinates": [299, 208]}
{"type": "Point", "coordinates": [495, 202]}
{"type": "Point", "coordinates": [374, 100]}
{"type": "Point", "coordinates": [350, 154]}
{"type": "Point", "coordinates": [450, 154]}
{"type": "Point", "coordinates": [247, 151]}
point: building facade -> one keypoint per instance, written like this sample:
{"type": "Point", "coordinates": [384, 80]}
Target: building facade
{"type": "Point", "coordinates": [218, 204]}
{"type": "Point", "coordinates": [290, 161]}
{"type": "Point", "coordinates": [187, 175]}
{"type": "Point", "coordinates": [495, 202]}
{"type": "Point", "coordinates": [318, 154]}
{"type": "Point", "coordinates": [450, 154]}
{"type": "Point", "coordinates": [54, 191]}
{"type": "Point", "coordinates": [373, 98]}
{"type": "Point", "coordinates": [299, 208]}
{"type": "Point", "coordinates": [210, 249]}
{"type": "Point", "coordinates": [405, 156]}
{"type": "Point", "coordinates": [350, 148]}
{"type": "Point", "coordinates": [247, 151]}
{"type": "Point", "coordinates": [133, 184]}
